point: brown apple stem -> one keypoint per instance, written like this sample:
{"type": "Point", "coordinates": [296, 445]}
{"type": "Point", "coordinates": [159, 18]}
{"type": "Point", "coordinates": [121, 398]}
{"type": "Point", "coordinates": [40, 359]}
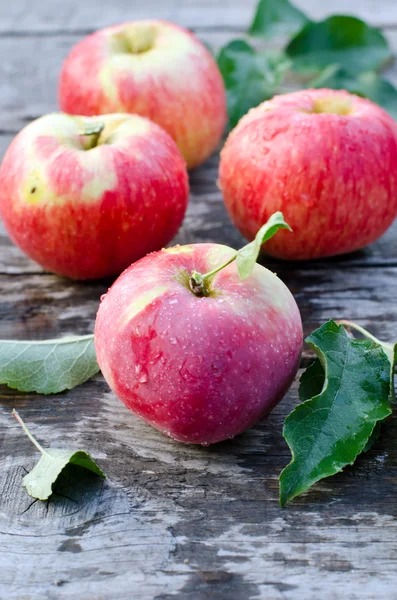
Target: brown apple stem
{"type": "Point", "coordinates": [196, 284]}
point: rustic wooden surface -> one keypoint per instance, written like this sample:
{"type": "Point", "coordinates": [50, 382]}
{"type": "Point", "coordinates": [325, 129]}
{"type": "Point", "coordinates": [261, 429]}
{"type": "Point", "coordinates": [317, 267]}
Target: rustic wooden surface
{"type": "Point", "coordinates": [174, 521]}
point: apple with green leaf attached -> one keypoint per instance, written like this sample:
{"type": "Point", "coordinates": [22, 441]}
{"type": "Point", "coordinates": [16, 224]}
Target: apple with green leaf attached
{"type": "Point", "coordinates": [327, 159]}
{"type": "Point", "coordinates": [155, 69]}
{"type": "Point", "coordinates": [199, 349]}
{"type": "Point", "coordinates": [86, 196]}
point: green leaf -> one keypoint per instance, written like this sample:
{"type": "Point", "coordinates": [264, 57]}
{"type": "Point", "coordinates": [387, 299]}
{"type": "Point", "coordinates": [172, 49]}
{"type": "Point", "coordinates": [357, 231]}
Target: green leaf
{"type": "Point", "coordinates": [346, 41]}
{"type": "Point", "coordinates": [247, 256]}
{"type": "Point", "coordinates": [368, 85]}
{"type": "Point", "coordinates": [39, 483]}
{"type": "Point", "coordinates": [329, 430]}
{"type": "Point", "coordinates": [389, 349]}
{"type": "Point", "coordinates": [47, 367]}
{"type": "Point", "coordinates": [250, 76]}
{"type": "Point", "coordinates": [278, 17]}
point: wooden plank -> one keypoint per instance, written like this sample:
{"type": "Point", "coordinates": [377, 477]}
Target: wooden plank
{"type": "Point", "coordinates": [86, 16]}
{"type": "Point", "coordinates": [187, 522]}
{"type": "Point", "coordinates": [175, 521]}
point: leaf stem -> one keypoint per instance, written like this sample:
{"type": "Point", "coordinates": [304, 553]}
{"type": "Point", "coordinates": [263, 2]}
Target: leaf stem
{"type": "Point", "coordinates": [26, 430]}
{"type": "Point", "coordinates": [363, 331]}
{"type": "Point", "coordinates": [217, 269]}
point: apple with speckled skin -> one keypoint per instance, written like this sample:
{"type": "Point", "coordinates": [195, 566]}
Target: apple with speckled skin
{"type": "Point", "coordinates": [327, 159]}
{"type": "Point", "coordinates": [151, 68]}
{"type": "Point", "coordinates": [199, 368]}
{"type": "Point", "coordinates": [84, 197]}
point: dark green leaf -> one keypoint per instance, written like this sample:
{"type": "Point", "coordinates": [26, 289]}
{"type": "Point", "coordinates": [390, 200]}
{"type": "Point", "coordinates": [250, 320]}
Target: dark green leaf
{"type": "Point", "coordinates": [328, 431]}
{"type": "Point", "coordinates": [47, 367]}
{"type": "Point", "coordinates": [247, 256]}
{"type": "Point", "coordinates": [346, 41]}
{"type": "Point", "coordinates": [277, 17]}
{"type": "Point", "coordinates": [250, 77]}
{"type": "Point", "coordinates": [40, 481]}
{"type": "Point", "coordinates": [368, 85]}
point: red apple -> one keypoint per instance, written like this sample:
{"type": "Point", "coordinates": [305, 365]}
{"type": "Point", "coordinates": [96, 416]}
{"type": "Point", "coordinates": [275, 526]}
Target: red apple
{"type": "Point", "coordinates": [199, 368]}
{"type": "Point", "coordinates": [327, 159]}
{"type": "Point", "coordinates": [84, 197]}
{"type": "Point", "coordinates": [155, 69]}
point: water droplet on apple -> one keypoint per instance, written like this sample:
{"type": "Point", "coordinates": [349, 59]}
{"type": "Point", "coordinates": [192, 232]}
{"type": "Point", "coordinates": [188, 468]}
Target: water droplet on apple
{"type": "Point", "coordinates": [231, 437]}
{"type": "Point", "coordinates": [103, 297]}
{"type": "Point", "coordinates": [143, 378]}
{"type": "Point", "coordinates": [167, 433]}
{"type": "Point", "coordinates": [173, 340]}
{"type": "Point", "coordinates": [173, 301]}
{"type": "Point", "coordinates": [205, 444]}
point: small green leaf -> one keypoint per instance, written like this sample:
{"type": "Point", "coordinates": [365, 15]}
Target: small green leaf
{"type": "Point", "coordinates": [40, 481]}
{"type": "Point", "coordinates": [368, 85]}
{"type": "Point", "coordinates": [330, 429]}
{"type": "Point", "coordinates": [342, 40]}
{"type": "Point", "coordinates": [247, 256]}
{"type": "Point", "coordinates": [278, 17]}
{"type": "Point", "coordinates": [250, 76]}
{"type": "Point", "coordinates": [47, 367]}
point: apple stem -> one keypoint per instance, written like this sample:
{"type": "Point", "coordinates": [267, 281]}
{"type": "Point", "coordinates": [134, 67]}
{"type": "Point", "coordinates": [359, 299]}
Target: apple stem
{"type": "Point", "coordinates": [197, 280]}
{"type": "Point", "coordinates": [92, 133]}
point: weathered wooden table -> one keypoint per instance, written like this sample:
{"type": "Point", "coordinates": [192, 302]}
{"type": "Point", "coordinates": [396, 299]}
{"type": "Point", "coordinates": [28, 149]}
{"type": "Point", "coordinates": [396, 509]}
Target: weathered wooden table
{"type": "Point", "coordinates": [175, 521]}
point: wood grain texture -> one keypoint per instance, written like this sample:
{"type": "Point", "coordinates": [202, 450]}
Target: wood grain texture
{"type": "Point", "coordinates": [86, 16]}
{"type": "Point", "coordinates": [174, 521]}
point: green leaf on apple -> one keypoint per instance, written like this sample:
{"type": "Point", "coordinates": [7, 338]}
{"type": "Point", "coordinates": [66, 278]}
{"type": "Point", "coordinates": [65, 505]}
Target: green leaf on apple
{"type": "Point", "coordinates": [344, 394]}
{"type": "Point", "coordinates": [342, 40]}
{"type": "Point", "coordinates": [250, 76]}
{"type": "Point", "coordinates": [277, 18]}
{"type": "Point", "coordinates": [246, 257]}
{"type": "Point", "coordinates": [39, 483]}
{"type": "Point", "coordinates": [47, 367]}
{"type": "Point", "coordinates": [368, 85]}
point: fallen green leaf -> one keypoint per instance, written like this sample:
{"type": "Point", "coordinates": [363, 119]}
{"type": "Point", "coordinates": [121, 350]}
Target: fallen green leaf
{"type": "Point", "coordinates": [246, 257]}
{"type": "Point", "coordinates": [250, 76]}
{"type": "Point", "coordinates": [40, 481]}
{"type": "Point", "coordinates": [368, 85]}
{"type": "Point", "coordinates": [332, 427]}
{"type": "Point", "coordinates": [47, 367]}
{"type": "Point", "coordinates": [342, 40]}
{"type": "Point", "coordinates": [274, 18]}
